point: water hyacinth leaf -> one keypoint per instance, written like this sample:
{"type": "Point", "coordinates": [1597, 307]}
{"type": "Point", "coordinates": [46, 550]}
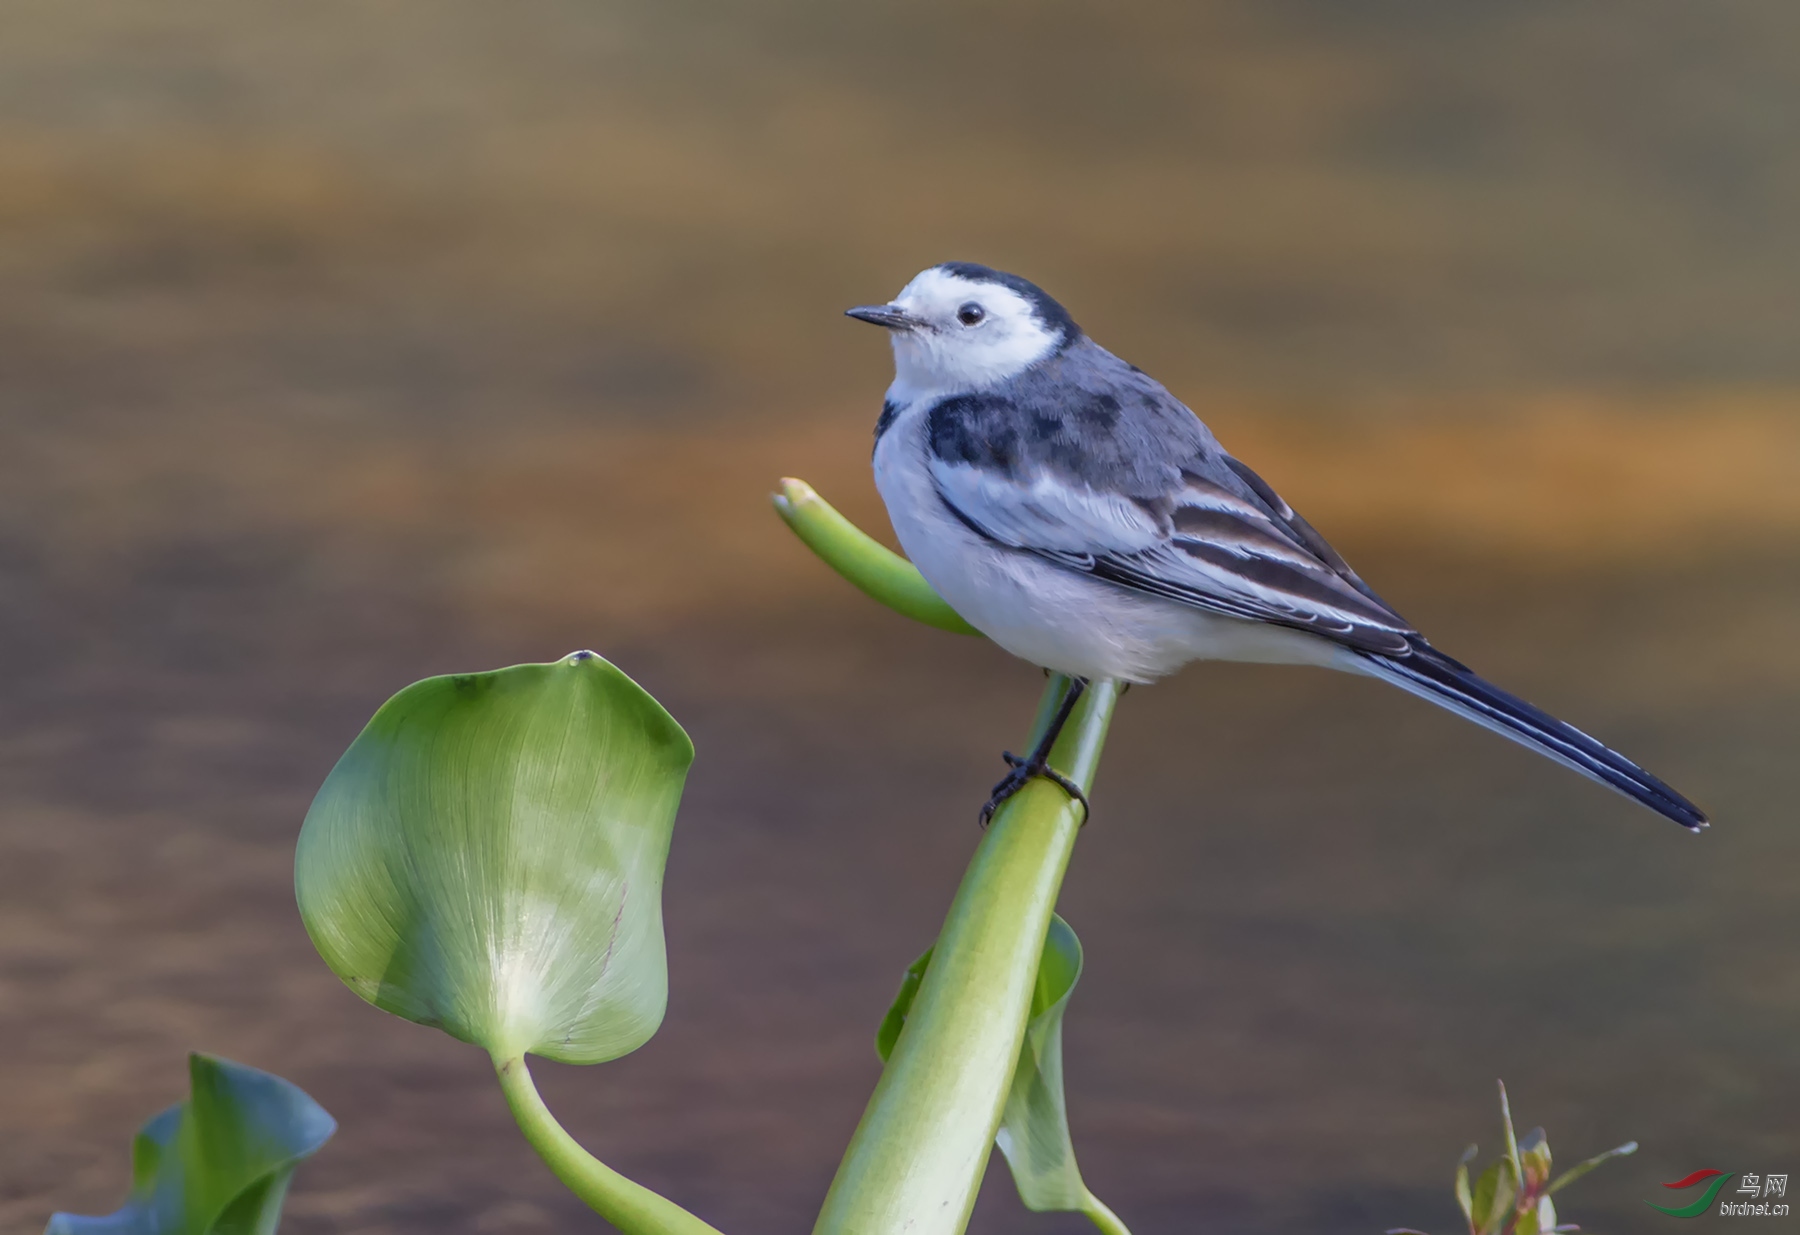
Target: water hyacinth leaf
{"type": "Point", "coordinates": [487, 858]}
{"type": "Point", "coordinates": [218, 1163]}
{"type": "Point", "coordinates": [1034, 1129]}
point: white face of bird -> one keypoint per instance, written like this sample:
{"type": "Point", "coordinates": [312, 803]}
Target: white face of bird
{"type": "Point", "coordinates": [955, 334]}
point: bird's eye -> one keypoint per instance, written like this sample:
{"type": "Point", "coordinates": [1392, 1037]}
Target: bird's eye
{"type": "Point", "coordinates": [970, 314]}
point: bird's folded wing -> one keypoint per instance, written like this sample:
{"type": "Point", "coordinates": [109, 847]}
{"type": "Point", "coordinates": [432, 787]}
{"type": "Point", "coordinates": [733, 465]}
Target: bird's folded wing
{"type": "Point", "coordinates": [1222, 543]}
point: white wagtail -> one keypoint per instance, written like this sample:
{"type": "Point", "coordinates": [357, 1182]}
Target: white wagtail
{"type": "Point", "coordinates": [1075, 512]}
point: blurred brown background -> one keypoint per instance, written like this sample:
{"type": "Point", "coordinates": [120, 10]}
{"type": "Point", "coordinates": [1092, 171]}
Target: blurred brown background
{"type": "Point", "coordinates": [344, 343]}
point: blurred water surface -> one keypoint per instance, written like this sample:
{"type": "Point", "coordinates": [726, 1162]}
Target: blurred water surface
{"type": "Point", "coordinates": [347, 343]}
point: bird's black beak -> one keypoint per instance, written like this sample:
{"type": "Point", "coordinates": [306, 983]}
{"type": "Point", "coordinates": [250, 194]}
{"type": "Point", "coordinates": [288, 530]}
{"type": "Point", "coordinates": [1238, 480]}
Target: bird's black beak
{"type": "Point", "coordinates": [885, 315]}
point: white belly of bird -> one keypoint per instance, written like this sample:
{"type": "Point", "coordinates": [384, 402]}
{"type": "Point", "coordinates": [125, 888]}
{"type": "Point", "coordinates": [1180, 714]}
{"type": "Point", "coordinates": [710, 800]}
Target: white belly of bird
{"type": "Point", "coordinates": [1053, 615]}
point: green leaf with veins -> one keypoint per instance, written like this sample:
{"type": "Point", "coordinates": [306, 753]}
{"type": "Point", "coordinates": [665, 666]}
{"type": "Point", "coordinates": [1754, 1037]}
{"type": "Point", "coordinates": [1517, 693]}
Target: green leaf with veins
{"type": "Point", "coordinates": [487, 858]}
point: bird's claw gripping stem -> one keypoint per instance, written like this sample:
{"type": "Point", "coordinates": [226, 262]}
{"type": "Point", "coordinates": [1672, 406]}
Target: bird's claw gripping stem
{"type": "Point", "coordinates": [1023, 771]}
{"type": "Point", "coordinates": [1037, 763]}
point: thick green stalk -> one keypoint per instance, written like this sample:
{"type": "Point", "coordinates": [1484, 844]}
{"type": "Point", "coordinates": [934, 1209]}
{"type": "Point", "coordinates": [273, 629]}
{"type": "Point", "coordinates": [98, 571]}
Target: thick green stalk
{"type": "Point", "coordinates": [631, 1207]}
{"type": "Point", "coordinates": [1101, 1216]}
{"type": "Point", "coordinates": [863, 560]}
{"type": "Point", "coordinates": [918, 1155]}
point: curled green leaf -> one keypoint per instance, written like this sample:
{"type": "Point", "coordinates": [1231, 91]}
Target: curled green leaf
{"type": "Point", "coordinates": [1034, 1129]}
{"type": "Point", "coordinates": [217, 1163]}
{"type": "Point", "coordinates": [488, 855]}
{"type": "Point", "coordinates": [1034, 1133]}
{"type": "Point", "coordinates": [895, 1020]}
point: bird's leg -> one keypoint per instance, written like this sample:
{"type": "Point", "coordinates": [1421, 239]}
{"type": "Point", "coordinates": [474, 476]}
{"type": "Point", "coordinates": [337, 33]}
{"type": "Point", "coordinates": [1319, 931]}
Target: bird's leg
{"type": "Point", "coordinates": [1037, 763]}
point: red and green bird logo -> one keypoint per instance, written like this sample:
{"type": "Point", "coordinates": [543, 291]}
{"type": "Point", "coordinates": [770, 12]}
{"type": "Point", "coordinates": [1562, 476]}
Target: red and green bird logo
{"type": "Point", "coordinates": [1719, 1180]}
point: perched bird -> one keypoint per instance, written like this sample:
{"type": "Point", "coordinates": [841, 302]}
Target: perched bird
{"type": "Point", "coordinates": [1075, 512]}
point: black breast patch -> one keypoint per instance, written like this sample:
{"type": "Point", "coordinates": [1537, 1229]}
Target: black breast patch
{"type": "Point", "coordinates": [889, 410]}
{"type": "Point", "coordinates": [982, 430]}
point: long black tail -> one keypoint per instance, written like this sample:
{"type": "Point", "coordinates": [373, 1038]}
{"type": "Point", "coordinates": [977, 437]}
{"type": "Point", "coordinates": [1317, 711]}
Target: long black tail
{"type": "Point", "coordinates": [1431, 675]}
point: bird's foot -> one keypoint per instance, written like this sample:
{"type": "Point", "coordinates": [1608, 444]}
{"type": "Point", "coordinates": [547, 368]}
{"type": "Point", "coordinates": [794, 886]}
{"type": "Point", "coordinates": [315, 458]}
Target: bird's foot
{"type": "Point", "coordinates": [1023, 771]}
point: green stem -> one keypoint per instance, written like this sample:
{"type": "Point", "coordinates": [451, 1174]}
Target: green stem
{"type": "Point", "coordinates": [1101, 1216]}
{"type": "Point", "coordinates": [631, 1207]}
{"type": "Point", "coordinates": [864, 561]}
{"type": "Point", "coordinates": [918, 1155]}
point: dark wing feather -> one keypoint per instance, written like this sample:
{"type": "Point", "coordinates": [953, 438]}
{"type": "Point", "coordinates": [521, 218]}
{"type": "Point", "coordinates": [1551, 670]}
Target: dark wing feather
{"type": "Point", "coordinates": [1430, 674]}
{"type": "Point", "coordinates": [1302, 531]}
